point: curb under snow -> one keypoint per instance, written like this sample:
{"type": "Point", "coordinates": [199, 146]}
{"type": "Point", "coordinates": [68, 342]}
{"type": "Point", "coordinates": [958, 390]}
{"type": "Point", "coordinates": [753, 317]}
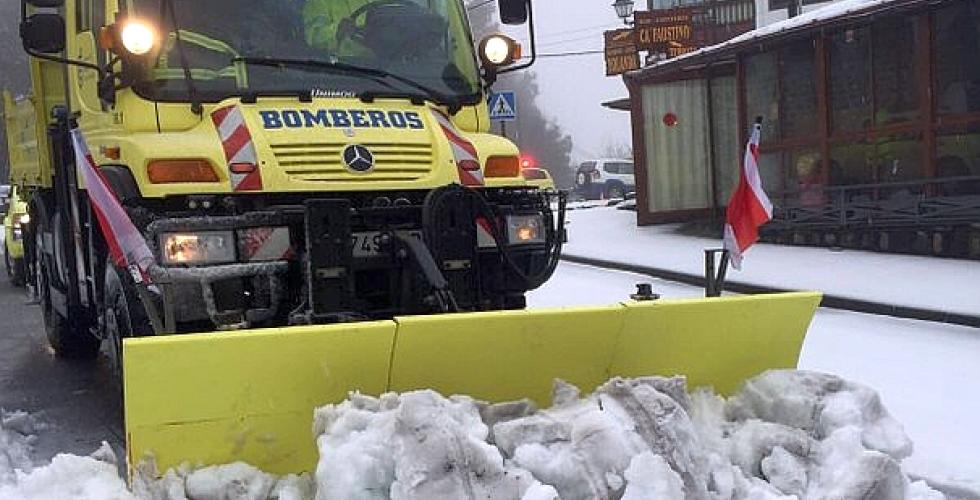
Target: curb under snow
{"type": "Point", "coordinates": [829, 301]}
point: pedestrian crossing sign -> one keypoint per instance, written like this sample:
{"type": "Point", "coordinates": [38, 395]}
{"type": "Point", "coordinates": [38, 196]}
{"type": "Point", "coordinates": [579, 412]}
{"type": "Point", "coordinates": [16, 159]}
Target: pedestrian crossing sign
{"type": "Point", "coordinates": [503, 106]}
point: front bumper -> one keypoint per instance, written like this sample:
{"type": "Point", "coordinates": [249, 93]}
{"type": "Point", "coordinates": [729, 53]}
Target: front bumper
{"type": "Point", "coordinates": [318, 278]}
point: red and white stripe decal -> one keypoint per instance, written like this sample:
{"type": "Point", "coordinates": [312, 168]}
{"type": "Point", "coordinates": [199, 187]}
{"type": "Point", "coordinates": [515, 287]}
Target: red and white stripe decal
{"type": "Point", "coordinates": [127, 247]}
{"type": "Point", "coordinates": [239, 148]}
{"type": "Point", "coordinates": [263, 244]}
{"type": "Point", "coordinates": [467, 160]}
{"type": "Point", "coordinates": [484, 234]}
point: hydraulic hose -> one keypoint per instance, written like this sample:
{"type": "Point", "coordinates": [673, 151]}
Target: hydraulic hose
{"type": "Point", "coordinates": [554, 241]}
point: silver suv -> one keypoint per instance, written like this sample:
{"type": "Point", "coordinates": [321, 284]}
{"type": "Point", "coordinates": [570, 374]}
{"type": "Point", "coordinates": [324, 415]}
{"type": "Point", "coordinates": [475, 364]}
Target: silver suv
{"type": "Point", "coordinates": [605, 178]}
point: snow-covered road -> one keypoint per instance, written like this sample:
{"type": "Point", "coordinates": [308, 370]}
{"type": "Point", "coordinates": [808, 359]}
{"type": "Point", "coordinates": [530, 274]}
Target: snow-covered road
{"type": "Point", "coordinates": [927, 373]}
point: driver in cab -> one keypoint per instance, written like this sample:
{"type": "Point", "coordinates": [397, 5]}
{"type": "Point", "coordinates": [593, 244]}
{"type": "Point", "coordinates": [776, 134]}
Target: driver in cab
{"type": "Point", "coordinates": [390, 30]}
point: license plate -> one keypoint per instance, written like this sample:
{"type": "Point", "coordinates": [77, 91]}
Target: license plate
{"type": "Point", "coordinates": [368, 243]}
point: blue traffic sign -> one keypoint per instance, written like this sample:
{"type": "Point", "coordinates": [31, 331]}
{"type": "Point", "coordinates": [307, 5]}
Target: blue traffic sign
{"type": "Point", "coordinates": [503, 106]}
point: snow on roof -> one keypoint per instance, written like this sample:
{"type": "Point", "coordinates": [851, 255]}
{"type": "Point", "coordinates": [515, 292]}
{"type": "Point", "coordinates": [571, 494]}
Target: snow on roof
{"type": "Point", "coordinates": [834, 10]}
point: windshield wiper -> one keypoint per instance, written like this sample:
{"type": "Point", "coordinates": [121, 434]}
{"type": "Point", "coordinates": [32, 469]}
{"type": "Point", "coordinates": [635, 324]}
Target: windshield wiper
{"type": "Point", "coordinates": [378, 75]}
{"type": "Point", "coordinates": [196, 107]}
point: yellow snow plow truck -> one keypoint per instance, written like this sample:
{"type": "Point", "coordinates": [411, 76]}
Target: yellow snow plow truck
{"type": "Point", "coordinates": [326, 212]}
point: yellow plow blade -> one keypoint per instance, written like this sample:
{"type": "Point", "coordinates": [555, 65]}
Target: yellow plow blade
{"type": "Point", "coordinates": [222, 397]}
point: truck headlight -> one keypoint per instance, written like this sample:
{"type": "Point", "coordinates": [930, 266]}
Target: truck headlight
{"type": "Point", "coordinates": [525, 229]}
{"type": "Point", "coordinates": [18, 226]}
{"type": "Point", "coordinates": [138, 37]}
{"type": "Point", "coordinates": [210, 247]}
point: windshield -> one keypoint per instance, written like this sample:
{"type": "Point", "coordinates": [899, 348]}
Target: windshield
{"type": "Point", "coordinates": [424, 41]}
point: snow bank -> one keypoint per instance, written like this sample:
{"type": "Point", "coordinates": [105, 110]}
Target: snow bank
{"type": "Point", "coordinates": [856, 274]}
{"type": "Point", "coordinates": [413, 446]}
{"type": "Point", "coordinates": [787, 434]}
{"type": "Point", "coordinates": [67, 477]}
{"type": "Point", "coordinates": [17, 435]}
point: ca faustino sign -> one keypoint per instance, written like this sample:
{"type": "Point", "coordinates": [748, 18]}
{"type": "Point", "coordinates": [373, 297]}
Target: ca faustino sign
{"type": "Point", "coordinates": [621, 52]}
{"type": "Point", "coordinates": [666, 30]}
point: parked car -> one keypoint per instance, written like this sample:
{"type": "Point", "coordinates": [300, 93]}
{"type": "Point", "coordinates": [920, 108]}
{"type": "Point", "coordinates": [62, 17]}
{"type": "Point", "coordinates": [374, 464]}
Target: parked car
{"type": "Point", "coordinates": [14, 224]}
{"type": "Point", "coordinates": [538, 177]}
{"type": "Point", "coordinates": [605, 178]}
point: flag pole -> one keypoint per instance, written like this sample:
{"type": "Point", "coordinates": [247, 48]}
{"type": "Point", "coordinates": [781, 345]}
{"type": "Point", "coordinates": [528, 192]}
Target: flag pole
{"type": "Point", "coordinates": [714, 276]}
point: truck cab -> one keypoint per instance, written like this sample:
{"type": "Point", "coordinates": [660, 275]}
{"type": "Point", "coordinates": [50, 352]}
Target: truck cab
{"type": "Point", "coordinates": [324, 161]}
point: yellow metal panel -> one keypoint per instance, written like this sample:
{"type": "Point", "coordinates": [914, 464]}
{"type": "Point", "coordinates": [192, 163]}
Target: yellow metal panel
{"type": "Point", "coordinates": [227, 396]}
{"type": "Point", "coordinates": [221, 397]}
{"type": "Point", "coordinates": [503, 356]}
{"type": "Point", "coordinates": [715, 342]}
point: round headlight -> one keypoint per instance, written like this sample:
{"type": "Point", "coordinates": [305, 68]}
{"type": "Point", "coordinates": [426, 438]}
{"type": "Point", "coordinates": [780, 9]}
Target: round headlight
{"type": "Point", "coordinates": [498, 50]}
{"type": "Point", "coordinates": [137, 37]}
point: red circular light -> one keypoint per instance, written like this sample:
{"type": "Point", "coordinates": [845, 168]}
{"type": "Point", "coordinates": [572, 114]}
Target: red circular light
{"type": "Point", "coordinates": [670, 119]}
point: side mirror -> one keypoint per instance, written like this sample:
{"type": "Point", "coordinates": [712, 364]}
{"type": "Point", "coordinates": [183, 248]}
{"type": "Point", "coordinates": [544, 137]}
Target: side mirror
{"type": "Point", "coordinates": [46, 4]}
{"type": "Point", "coordinates": [44, 33]}
{"type": "Point", "coordinates": [513, 11]}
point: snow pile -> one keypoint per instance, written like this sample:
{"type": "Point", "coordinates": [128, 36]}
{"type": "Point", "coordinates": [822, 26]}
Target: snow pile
{"type": "Point", "coordinates": [787, 434]}
{"type": "Point", "coordinates": [237, 481]}
{"type": "Point", "coordinates": [17, 435]}
{"type": "Point", "coordinates": [416, 445]}
{"type": "Point", "coordinates": [67, 477]}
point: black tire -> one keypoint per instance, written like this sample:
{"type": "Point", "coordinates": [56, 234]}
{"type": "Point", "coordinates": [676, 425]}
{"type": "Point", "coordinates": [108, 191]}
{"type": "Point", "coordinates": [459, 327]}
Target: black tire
{"type": "Point", "coordinates": [69, 339]}
{"type": "Point", "coordinates": [615, 191]}
{"type": "Point", "coordinates": [124, 317]}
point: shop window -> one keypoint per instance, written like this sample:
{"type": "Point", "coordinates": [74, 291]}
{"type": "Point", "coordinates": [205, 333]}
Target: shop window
{"type": "Point", "coordinates": [958, 155]}
{"type": "Point", "coordinates": [957, 74]}
{"type": "Point", "coordinates": [851, 163]}
{"type": "Point", "coordinates": [771, 172]}
{"type": "Point", "coordinates": [850, 80]}
{"type": "Point", "coordinates": [899, 158]}
{"type": "Point", "coordinates": [896, 81]}
{"type": "Point", "coordinates": [803, 177]}
{"type": "Point", "coordinates": [762, 93]}
{"type": "Point", "coordinates": [798, 87]}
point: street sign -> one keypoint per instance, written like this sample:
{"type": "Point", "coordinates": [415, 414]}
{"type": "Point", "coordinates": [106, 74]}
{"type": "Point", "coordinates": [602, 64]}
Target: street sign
{"type": "Point", "coordinates": [503, 106]}
{"type": "Point", "coordinates": [621, 53]}
{"type": "Point", "coordinates": [669, 32]}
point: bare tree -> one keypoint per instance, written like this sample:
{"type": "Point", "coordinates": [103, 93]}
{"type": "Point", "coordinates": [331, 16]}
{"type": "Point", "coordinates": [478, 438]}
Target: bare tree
{"type": "Point", "coordinates": [617, 150]}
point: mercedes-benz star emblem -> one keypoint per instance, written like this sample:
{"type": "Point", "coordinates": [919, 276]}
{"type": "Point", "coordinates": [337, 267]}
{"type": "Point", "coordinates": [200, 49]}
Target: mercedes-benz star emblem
{"type": "Point", "coordinates": [358, 158]}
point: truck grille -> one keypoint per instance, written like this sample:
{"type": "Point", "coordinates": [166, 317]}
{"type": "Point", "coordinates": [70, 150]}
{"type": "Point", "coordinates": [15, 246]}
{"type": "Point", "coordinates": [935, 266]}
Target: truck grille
{"type": "Point", "coordinates": [324, 162]}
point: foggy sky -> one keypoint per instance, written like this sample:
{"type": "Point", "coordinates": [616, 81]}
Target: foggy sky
{"type": "Point", "coordinates": [574, 88]}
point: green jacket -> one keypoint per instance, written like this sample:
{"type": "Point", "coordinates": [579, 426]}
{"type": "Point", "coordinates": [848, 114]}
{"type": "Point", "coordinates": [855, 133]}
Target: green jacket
{"type": "Point", "coordinates": [322, 21]}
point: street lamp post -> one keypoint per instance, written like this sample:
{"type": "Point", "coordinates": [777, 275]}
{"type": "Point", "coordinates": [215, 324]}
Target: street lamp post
{"type": "Point", "coordinates": [624, 9]}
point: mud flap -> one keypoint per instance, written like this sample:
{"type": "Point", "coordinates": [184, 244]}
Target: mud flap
{"type": "Point", "coordinates": [222, 397]}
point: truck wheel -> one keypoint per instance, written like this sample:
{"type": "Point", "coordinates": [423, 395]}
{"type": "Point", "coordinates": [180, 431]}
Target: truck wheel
{"type": "Point", "coordinates": [72, 341]}
{"type": "Point", "coordinates": [614, 192]}
{"type": "Point", "coordinates": [124, 317]}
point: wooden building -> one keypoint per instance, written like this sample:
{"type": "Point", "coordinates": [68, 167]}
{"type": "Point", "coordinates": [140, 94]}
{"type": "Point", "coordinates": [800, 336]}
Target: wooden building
{"type": "Point", "coordinates": [866, 103]}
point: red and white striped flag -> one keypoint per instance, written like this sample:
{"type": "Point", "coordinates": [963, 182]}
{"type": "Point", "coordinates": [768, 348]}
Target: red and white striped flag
{"type": "Point", "coordinates": [749, 207]}
{"type": "Point", "coordinates": [127, 247]}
